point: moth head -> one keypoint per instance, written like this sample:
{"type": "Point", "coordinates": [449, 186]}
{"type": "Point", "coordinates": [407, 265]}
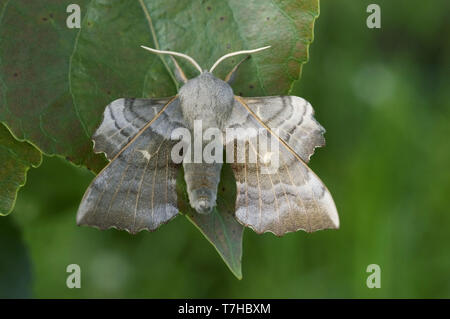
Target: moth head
{"type": "Point", "coordinates": [196, 65]}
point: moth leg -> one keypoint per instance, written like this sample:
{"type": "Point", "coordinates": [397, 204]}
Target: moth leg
{"type": "Point", "coordinates": [230, 76]}
{"type": "Point", "coordinates": [179, 74]}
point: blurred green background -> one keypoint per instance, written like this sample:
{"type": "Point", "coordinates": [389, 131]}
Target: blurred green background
{"type": "Point", "coordinates": [383, 96]}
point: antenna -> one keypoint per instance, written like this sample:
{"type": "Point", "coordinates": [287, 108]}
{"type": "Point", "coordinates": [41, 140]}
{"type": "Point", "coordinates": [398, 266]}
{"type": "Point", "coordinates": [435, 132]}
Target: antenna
{"type": "Point", "coordinates": [226, 56]}
{"type": "Point", "coordinates": [176, 54]}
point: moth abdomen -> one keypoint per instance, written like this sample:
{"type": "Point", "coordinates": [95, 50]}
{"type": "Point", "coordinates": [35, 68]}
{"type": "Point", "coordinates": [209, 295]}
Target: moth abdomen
{"type": "Point", "coordinates": [202, 180]}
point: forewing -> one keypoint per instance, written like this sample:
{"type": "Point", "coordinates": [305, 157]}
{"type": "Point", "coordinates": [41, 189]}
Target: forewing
{"type": "Point", "coordinates": [122, 120]}
{"type": "Point", "coordinates": [137, 190]}
{"type": "Point", "coordinates": [293, 117]}
{"type": "Point", "coordinates": [289, 198]}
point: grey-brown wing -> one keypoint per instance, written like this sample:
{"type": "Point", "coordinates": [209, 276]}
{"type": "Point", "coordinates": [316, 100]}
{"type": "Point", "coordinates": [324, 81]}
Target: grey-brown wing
{"type": "Point", "coordinates": [122, 120]}
{"type": "Point", "coordinates": [278, 192]}
{"type": "Point", "coordinates": [137, 189]}
{"type": "Point", "coordinates": [293, 118]}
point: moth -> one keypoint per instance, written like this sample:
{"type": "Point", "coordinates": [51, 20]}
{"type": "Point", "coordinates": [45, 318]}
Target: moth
{"type": "Point", "coordinates": [137, 189]}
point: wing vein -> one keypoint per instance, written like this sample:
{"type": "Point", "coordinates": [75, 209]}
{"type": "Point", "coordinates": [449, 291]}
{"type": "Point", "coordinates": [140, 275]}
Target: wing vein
{"type": "Point", "coordinates": [273, 188]}
{"type": "Point", "coordinates": [117, 190]}
{"type": "Point", "coordinates": [259, 185]}
{"type": "Point", "coordinates": [167, 185]}
{"type": "Point", "coordinates": [138, 196]}
{"type": "Point", "coordinates": [153, 183]}
{"type": "Point", "coordinates": [308, 219]}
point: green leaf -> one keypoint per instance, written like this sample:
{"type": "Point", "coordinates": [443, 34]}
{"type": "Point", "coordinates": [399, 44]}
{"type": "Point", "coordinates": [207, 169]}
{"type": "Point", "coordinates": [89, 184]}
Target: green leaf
{"type": "Point", "coordinates": [55, 82]}
{"type": "Point", "coordinates": [220, 227]}
{"type": "Point", "coordinates": [108, 63]}
{"type": "Point", "coordinates": [35, 101]}
{"type": "Point", "coordinates": [36, 46]}
{"type": "Point", "coordinates": [15, 158]}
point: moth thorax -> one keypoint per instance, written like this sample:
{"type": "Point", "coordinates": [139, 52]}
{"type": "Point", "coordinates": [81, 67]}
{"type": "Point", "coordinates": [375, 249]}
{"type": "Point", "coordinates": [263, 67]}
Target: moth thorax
{"type": "Point", "coordinates": [206, 98]}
